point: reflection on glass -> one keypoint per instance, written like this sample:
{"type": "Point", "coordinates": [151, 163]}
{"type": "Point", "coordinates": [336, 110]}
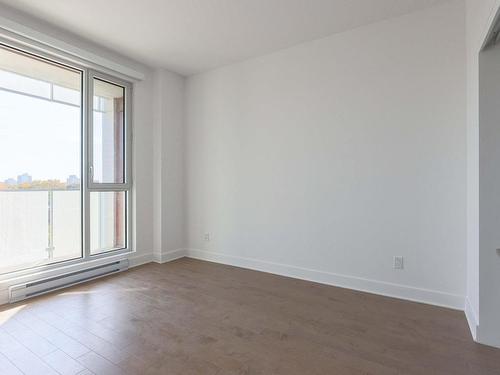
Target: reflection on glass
{"type": "Point", "coordinates": [107, 221]}
{"type": "Point", "coordinates": [108, 133]}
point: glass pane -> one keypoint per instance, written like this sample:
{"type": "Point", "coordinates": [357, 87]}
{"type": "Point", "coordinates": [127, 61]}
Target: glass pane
{"type": "Point", "coordinates": [40, 143]}
{"type": "Point", "coordinates": [25, 85]}
{"type": "Point", "coordinates": [66, 95]}
{"type": "Point", "coordinates": [108, 133]}
{"type": "Point", "coordinates": [107, 221]}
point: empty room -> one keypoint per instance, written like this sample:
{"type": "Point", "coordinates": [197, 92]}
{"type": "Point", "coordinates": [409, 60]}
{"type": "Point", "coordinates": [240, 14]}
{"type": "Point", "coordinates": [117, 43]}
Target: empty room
{"type": "Point", "coordinates": [250, 187]}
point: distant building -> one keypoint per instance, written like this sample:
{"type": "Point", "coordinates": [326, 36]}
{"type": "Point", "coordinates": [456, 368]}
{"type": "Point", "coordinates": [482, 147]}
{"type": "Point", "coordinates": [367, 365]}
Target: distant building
{"type": "Point", "coordinates": [10, 182]}
{"type": "Point", "coordinates": [73, 181]}
{"type": "Point", "coordinates": [24, 179]}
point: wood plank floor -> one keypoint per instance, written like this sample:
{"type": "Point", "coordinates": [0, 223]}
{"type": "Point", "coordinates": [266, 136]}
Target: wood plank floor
{"type": "Point", "coordinates": [193, 317]}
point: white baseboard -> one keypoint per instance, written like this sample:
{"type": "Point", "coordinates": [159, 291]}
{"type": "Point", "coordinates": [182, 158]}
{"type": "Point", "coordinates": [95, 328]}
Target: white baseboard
{"type": "Point", "coordinates": [366, 285]}
{"type": "Point", "coordinates": [471, 316]}
{"type": "Point", "coordinates": [168, 256]}
{"type": "Point", "coordinates": [431, 297]}
{"type": "Point", "coordinates": [138, 260]}
{"type": "Point", "coordinates": [4, 297]}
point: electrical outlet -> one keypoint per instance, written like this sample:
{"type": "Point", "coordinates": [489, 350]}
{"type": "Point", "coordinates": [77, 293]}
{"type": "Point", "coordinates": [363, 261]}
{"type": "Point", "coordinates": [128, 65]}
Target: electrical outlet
{"type": "Point", "coordinates": [398, 263]}
{"type": "Point", "coordinates": [206, 236]}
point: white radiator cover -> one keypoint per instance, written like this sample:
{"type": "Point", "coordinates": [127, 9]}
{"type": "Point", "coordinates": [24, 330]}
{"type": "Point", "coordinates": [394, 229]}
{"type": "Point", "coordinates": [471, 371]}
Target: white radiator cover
{"type": "Point", "coordinates": [35, 288]}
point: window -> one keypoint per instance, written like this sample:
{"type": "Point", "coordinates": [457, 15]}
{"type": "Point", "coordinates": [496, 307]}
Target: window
{"type": "Point", "coordinates": [108, 148]}
{"type": "Point", "coordinates": [107, 221]}
{"type": "Point", "coordinates": [109, 164]}
{"type": "Point", "coordinates": [65, 172]}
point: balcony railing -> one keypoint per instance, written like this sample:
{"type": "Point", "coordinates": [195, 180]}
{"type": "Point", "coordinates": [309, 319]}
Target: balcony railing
{"type": "Point", "coordinates": [39, 227]}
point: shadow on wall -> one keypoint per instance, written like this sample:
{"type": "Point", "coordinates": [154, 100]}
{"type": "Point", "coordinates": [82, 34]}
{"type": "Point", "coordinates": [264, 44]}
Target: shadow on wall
{"type": "Point", "coordinates": [489, 199]}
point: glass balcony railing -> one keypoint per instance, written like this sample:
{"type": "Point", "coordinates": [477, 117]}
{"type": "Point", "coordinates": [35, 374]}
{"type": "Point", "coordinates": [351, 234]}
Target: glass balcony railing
{"type": "Point", "coordinates": [39, 227]}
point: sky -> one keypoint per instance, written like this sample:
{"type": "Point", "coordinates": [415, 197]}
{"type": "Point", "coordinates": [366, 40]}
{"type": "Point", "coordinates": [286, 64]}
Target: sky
{"type": "Point", "coordinates": [38, 137]}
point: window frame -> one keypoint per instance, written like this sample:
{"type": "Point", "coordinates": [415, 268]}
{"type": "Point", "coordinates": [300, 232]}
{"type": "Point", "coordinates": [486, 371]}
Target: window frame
{"type": "Point", "coordinates": [97, 187]}
{"type": "Point", "coordinates": [87, 186]}
{"type": "Point", "coordinates": [127, 167]}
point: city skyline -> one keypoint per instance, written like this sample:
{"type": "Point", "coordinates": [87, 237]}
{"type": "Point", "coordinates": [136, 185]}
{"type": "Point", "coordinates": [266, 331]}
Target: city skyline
{"type": "Point", "coordinates": [27, 177]}
{"type": "Point", "coordinates": [26, 181]}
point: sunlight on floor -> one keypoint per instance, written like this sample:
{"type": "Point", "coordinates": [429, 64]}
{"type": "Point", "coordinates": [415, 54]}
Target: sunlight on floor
{"type": "Point", "coordinates": [6, 315]}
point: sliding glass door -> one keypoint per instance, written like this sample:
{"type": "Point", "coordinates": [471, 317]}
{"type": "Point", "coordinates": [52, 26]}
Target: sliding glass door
{"type": "Point", "coordinates": [64, 159]}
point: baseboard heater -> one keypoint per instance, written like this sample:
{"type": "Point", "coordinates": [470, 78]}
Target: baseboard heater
{"type": "Point", "coordinates": [42, 286]}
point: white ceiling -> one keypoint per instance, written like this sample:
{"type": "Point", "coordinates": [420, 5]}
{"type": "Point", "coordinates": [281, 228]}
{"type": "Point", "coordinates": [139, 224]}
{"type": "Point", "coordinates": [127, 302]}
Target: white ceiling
{"type": "Point", "coordinates": [190, 36]}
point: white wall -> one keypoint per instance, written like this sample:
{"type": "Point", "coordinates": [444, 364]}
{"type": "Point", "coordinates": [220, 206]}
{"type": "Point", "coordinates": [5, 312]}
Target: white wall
{"type": "Point", "coordinates": [479, 17]}
{"type": "Point", "coordinates": [168, 165]}
{"type": "Point", "coordinates": [336, 155]}
{"type": "Point", "coordinates": [489, 199]}
{"type": "Point", "coordinates": [142, 152]}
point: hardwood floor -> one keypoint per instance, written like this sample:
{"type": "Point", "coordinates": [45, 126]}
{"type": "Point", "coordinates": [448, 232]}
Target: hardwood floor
{"type": "Point", "coordinates": [192, 317]}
